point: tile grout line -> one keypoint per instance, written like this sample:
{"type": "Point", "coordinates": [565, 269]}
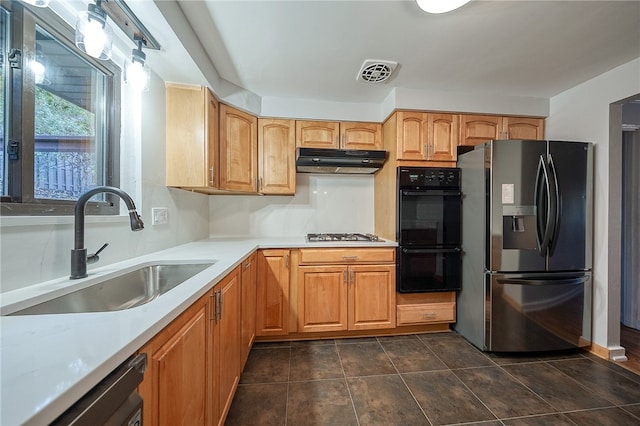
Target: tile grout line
{"type": "Point", "coordinates": [346, 382]}
{"type": "Point", "coordinates": [286, 400]}
{"type": "Point", "coordinates": [405, 383]}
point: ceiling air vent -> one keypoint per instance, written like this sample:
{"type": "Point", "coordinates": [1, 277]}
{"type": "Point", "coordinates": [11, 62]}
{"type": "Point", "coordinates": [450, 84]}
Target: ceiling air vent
{"type": "Point", "coordinates": [376, 71]}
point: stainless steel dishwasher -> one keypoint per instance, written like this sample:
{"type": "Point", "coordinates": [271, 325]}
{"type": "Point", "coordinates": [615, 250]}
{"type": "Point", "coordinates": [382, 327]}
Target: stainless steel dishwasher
{"type": "Point", "coordinates": [112, 402]}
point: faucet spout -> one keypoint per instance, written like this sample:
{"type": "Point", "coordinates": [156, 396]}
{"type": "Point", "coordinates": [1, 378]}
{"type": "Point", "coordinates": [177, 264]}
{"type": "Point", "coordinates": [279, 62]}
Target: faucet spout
{"type": "Point", "coordinates": [79, 252]}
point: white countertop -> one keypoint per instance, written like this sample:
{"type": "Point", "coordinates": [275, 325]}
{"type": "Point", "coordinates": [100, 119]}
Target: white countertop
{"type": "Point", "coordinates": [50, 361]}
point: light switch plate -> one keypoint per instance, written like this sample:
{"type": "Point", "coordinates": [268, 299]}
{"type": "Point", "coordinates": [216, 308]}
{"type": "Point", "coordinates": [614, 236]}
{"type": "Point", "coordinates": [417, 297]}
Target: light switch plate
{"type": "Point", "coordinates": [159, 215]}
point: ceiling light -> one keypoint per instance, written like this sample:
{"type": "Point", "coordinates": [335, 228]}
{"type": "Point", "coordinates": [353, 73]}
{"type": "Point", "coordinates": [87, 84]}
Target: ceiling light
{"type": "Point", "coordinates": [93, 35]}
{"type": "Point", "coordinates": [440, 6]}
{"type": "Point", "coordinates": [38, 3]}
{"type": "Point", "coordinates": [136, 72]}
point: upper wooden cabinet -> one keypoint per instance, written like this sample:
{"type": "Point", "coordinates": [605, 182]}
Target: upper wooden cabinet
{"type": "Point", "coordinates": [477, 129]}
{"type": "Point", "coordinates": [366, 136]}
{"type": "Point", "coordinates": [276, 156]}
{"type": "Point", "coordinates": [426, 136]}
{"type": "Point", "coordinates": [238, 150]}
{"type": "Point", "coordinates": [317, 134]}
{"type": "Point", "coordinates": [342, 135]}
{"type": "Point", "coordinates": [192, 137]}
{"type": "Point", "coordinates": [522, 128]}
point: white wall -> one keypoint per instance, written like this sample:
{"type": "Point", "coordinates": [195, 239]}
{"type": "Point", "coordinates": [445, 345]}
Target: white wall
{"type": "Point", "coordinates": [323, 203]}
{"type": "Point", "coordinates": [34, 250]}
{"type": "Point", "coordinates": [582, 113]}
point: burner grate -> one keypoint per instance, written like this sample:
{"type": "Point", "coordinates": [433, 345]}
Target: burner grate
{"type": "Point", "coordinates": [341, 237]}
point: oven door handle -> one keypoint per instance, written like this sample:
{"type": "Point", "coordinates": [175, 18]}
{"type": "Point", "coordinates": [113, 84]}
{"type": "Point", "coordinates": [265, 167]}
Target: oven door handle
{"type": "Point", "coordinates": [430, 193]}
{"type": "Point", "coordinates": [427, 250]}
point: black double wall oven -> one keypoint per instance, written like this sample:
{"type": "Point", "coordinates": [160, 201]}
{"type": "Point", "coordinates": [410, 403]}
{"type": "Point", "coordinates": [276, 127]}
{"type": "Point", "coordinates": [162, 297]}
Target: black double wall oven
{"type": "Point", "coordinates": [428, 229]}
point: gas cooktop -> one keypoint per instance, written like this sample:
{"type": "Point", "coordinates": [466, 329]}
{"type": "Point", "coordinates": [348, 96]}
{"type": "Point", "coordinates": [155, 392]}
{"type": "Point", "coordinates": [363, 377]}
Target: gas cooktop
{"type": "Point", "coordinates": [341, 237]}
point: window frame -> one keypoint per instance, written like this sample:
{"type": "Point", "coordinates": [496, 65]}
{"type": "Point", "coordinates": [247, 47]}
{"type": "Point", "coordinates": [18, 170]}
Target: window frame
{"type": "Point", "coordinates": [20, 200]}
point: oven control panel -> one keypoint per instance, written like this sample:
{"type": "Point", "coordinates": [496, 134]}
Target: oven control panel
{"type": "Point", "coordinates": [428, 177]}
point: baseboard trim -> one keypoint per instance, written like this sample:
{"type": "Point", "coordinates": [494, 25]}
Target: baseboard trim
{"type": "Point", "coordinates": [613, 353]}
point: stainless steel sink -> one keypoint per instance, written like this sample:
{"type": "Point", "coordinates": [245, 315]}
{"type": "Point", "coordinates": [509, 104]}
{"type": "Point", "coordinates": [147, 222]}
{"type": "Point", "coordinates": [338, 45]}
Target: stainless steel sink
{"type": "Point", "coordinates": [124, 291]}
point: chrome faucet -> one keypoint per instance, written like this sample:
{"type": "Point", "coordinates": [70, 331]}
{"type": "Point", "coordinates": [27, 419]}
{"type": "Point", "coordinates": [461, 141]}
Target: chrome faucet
{"type": "Point", "coordinates": [79, 258]}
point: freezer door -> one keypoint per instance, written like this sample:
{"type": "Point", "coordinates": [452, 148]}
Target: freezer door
{"type": "Point", "coordinates": [513, 226]}
{"type": "Point", "coordinates": [529, 313]}
{"type": "Point", "coordinates": [570, 246]}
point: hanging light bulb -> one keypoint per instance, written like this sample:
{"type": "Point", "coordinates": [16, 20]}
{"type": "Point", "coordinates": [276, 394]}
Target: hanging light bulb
{"type": "Point", "coordinates": [136, 72]}
{"type": "Point", "coordinates": [38, 71]}
{"type": "Point", "coordinates": [93, 35]}
{"type": "Point", "coordinates": [37, 66]}
{"type": "Point", "coordinates": [38, 3]}
{"type": "Point", "coordinates": [440, 6]}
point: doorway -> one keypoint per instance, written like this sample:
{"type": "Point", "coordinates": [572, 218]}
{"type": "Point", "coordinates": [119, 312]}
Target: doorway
{"type": "Point", "coordinates": [630, 235]}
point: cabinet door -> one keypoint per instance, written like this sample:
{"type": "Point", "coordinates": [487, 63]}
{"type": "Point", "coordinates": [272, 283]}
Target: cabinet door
{"type": "Point", "coordinates": [322, 298]}
{"type": "Point", "coordinates": [192, 135]}
{"type": "Point", "coordinates": [372, 297]}
{"type": "Point", "coordinates": [238, 150]}
{"type": "Point", "coordinates": [366, 136]}
{"type": "Point", "coordinates": [212, 115]}
{"type": "Point", "coordinates": [276, 156]}
{"type": "Point", "coordinates": [523, 128]}
{"type": "Point", "coordinates": [272, 302]}
{"type": "Point", "coordinates": [176, 382]}
{"type": "Point", "coordinates": [411, 137]}
{"type": "Point", "coordinates": [442, 136]}
{"type": "Point", "coordinates": [477, 129]}
{"type": "Point", "coordinates": [248, 305]}
{"type": "Point", "coordinates": [317, 134]}
{"type": "Point", "coordinates": [228, 342]}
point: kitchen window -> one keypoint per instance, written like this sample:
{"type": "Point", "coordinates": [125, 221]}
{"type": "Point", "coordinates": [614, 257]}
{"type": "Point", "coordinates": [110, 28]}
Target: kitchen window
{"type": "Point", "coordinates": [60, 117]}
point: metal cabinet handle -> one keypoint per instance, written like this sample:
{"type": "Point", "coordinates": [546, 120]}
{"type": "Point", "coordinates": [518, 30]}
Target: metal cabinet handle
{"type": "Point", "coordinates": [246, 266]}
{"type": "Point", "coordinates": [352, 276]}
{"type": "Point", "coordinates": [286, 261]}
{"type": "Point", "coordinates": [349, 257]}
{"type": "Point", "coordinates": [212, 311]}
{"type": "Point", "coordinates": [211, 176]}
{"type": "Point", "coordinates": [344, 276]}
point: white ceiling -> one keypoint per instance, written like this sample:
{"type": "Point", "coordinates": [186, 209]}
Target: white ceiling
{"type": "Point", "coordinates": [309, 49]}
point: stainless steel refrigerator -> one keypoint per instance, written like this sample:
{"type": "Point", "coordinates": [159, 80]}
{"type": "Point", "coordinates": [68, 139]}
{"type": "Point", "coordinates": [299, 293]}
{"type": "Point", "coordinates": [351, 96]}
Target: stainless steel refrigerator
{"type": "Point", "coordinates": [527, 245]}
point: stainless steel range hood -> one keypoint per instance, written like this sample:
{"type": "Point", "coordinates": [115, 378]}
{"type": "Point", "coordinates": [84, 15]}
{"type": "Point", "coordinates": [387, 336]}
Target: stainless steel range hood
{"type": "Point", "coordinates": [322, 160]}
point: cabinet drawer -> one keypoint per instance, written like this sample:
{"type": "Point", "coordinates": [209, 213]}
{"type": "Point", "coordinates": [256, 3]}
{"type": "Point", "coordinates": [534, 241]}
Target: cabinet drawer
{"type": "Point", "coordinates": [426, 313]}
{"type": "Point", "coordinates": [347, 255]}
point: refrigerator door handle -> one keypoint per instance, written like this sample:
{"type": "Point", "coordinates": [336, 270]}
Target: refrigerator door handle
{"type": "Point", "coordinates": [555, 205]}
{"type": "Point", "coordinates": [542, 192]}
{"type": "Point", "coordinates": [534, 281]}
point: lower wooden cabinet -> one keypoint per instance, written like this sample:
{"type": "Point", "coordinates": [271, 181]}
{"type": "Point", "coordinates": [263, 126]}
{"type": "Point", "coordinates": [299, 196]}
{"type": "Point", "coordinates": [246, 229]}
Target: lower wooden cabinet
{"type": "Point", "coordinates": [272, 301]}
{"type": "Point", "coordinates": [349, 295]}
{"type": "Point", "coordinates": [426, 308]}
{"type": "Point", "coordinates": [177, 382]}
{"type": "Point", "coordinates": [248, 306]}
{"type": "Point", "coordinates": [227, 342]}
{"type": "Point", "coordinates": [194, 363]}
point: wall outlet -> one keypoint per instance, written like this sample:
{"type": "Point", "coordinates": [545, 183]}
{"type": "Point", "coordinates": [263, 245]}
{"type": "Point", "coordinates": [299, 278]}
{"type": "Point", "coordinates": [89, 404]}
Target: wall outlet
{"type": "Point", "coordinates": [159, 215]}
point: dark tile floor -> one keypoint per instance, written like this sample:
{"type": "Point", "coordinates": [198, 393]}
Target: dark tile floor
{"type": "Point", "coordinates": [428, 379]}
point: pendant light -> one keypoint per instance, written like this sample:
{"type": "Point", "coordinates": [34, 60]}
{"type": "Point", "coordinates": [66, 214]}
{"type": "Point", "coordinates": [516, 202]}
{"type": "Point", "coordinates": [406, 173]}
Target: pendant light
{"type": "Point", "coordinates": [136, 72]}
{"type": "Point", "coordinates": [440, 6]}
{"type": "Point", "coordinates": [93, 35]}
